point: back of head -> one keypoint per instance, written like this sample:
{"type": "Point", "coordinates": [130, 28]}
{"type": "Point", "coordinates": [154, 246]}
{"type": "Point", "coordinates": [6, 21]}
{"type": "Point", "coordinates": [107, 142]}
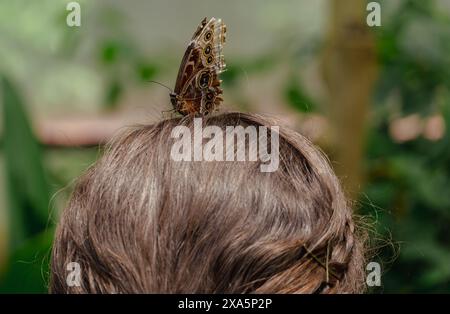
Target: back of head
{"type": "Point", "coordinates": [140, 221]}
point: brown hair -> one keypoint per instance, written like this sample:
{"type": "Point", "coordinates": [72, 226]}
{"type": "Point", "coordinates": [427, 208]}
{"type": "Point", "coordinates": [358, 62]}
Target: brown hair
{"type": "Point", "coordinates": [139, 222]}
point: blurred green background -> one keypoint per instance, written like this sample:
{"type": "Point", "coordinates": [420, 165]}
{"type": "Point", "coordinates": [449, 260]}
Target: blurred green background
{"type": "Point", "coordinates": [376, 99]}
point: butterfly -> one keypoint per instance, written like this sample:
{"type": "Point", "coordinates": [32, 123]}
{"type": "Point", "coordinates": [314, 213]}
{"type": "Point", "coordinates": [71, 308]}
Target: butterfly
{"type": "Point", "coordinates": [197, 89]}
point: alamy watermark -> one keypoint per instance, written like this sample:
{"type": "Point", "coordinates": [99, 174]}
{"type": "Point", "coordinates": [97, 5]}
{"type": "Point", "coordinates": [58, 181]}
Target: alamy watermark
{"type": "Point", "coordinates": [374, 16]}
{"type": "Point", "coordinates": [373, 278]}
{"type": "Point", "coordinates": [74, 16]}
{"type": "Point", "coordinates": [212, 143]}
{"type": "Point", "coordinates": [73, 278]}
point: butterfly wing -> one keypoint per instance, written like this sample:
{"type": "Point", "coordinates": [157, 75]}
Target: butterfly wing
{"type": "Point", "coordinates": [198, 84]}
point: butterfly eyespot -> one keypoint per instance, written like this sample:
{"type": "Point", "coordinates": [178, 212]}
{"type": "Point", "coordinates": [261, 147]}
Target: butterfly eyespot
{"type": "Point", "coordinates": [204, 79]}
{"type": "Point", "coordinates": [207, 50]}
{"type": "Point", "coordinates": [208, 35]}
{"type": "Point", "coordinates": [197, 88]}
{"type": "Point", "coordinates": [208, 106]}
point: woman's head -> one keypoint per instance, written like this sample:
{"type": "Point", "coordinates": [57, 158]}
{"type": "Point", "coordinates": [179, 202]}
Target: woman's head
{"type": "Point", "coordinates": [139, 221]}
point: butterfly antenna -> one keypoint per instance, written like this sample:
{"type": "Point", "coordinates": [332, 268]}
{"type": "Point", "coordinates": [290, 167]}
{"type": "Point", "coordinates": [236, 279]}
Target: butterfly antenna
{"type": "Point", "coordinates": [162, 85]}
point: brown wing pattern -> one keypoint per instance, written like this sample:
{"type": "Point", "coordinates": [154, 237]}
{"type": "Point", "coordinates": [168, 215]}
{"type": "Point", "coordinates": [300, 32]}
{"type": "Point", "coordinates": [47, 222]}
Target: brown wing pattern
{"type": "Point", "coordinates": [197, 88]}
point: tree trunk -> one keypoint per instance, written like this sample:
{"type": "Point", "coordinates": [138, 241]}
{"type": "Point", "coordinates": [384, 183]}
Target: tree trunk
{"type": "Point", "coordinates": [349, 68]}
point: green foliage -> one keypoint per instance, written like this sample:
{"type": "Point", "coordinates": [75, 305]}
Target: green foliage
{"type": "Point", "coordinates": [146, 71]}
{"type": "Point", "coordinates": [28, 199]}
{"type": "Point", "coordinates": [28, 192]}
{"type": "Point", "coordinates": [118, 56]}
{"type": "Point", "coordinates": [413, 51]}
{"type": "Point", "coordinates": [114, 91]}
{"type": "Point", "coordinates": [297, 97]}
{"type": "Point", "coordinates": [28, 269]}
{"type": "Point", "coordinates": [238, 70]}
{"type": "Point", "coordinates": [409, 182]}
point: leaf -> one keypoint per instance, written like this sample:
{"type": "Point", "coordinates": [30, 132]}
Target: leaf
{"type": "Point", "coordinates": [146, 71]}
{"type": "Point", "coordinates": [230, 76]}
{"type": "Point", "coordinates": [113, 93]}
{"type": "Point", "coordinates": [110, 52]}
{"type": "Point", "coordinates": [297, 98]}
{"type": "Point", "coordinates": [27, 188]}
{"type": "Point", "coordinates": [29, 266]}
